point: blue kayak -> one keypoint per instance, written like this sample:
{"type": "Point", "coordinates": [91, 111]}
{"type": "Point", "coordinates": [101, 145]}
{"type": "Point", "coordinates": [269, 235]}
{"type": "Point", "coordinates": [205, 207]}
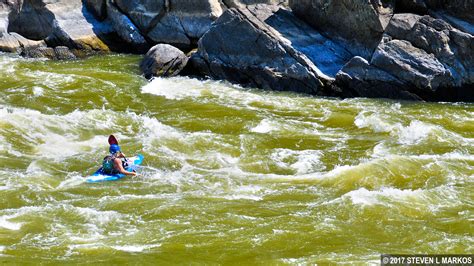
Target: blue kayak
{"type": "Point", "coordinates": [100, 176]}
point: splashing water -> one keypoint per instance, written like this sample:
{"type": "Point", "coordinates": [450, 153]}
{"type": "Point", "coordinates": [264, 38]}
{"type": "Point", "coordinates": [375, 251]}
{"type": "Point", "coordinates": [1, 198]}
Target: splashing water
{"type": "Point", "coordinates": [231, 174]}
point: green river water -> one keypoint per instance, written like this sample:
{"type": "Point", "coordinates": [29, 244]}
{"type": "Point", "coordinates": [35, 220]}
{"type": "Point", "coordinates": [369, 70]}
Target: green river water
{"type": "Point", "coordinates": [231, 175]}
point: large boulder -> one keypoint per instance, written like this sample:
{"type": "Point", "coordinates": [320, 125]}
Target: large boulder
{"type": "Point", "coordinates": [412, 65]}
{"type": "Point", "coordinates": [144, 13]}
{"type": "Point", "coordinates": [268, 47]}
{"type": "Point", "coordinates": [359, 23]}
{"type": "Point", "coordinates": [12, 41]}
{"type": "Point", "coordinates": [163, 60]}
{"type": "Point", "coordinates": [453, 48]}
{"type": "Point", "coordinates": [459, 13]}
{"type": "Point", "coordinates": [427, 56]}
{"type": "Point", "coordinates": [126, 29]}
{"type": "Point", "coordinates": [15, 43]}
{"type": "Point", "coordinates": [360, 79]}
{"type": "Point", "coordinates": [58, 53]}
{"type": "Point", "coordinates": [56, 22]}
{"type": "Point", "coordinates": [179, 23]}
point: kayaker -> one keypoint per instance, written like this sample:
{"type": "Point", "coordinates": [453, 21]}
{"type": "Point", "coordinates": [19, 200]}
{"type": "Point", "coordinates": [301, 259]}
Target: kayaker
{"type": "Point", "coordinates": [115, 163]}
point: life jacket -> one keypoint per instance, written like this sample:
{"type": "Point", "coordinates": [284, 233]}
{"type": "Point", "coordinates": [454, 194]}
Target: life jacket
{"type": "Point", "coordinates": [108, 165]}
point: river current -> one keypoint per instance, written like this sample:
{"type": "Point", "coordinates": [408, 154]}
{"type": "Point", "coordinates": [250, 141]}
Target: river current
{"type": "Point", "coordinates": [231, 174]}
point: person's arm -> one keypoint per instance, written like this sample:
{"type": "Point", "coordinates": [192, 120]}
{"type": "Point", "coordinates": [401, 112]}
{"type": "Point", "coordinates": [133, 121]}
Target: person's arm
{"type": "Point", "coordinates": [119, 167]}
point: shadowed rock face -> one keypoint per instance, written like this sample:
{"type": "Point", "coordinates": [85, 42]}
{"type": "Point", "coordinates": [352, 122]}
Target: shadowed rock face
{"type": "Point", "coordinates": [180, 23]}
{"type": "Point", "coordinates": [126, 29]}
{"type": "Point", "coordinates": [412, 65]}
{"type": "Point", "coordinates": [54, 22]}
{"type": "Point", "coordinates": [101, 25]}
{"type": "Point", "coordinates": [144, 13]}
{"type": "Point", "coordinates": [428, 56]}
{"type": "Point", "coordinates": [97, 7]}
{"type": "Point", "coordinates": [359, 77]}
{"type": "Point", "coordinates": [359, 23]}
{"type": "Point", "coordinates": [33, 19]}
{"type": "Point", "coordinates": [267, 47]}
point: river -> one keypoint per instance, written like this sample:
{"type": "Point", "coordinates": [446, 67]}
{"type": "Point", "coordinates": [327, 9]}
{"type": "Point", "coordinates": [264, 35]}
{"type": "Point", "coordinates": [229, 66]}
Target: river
{"type": "Point", "coordinates": [231, 175]}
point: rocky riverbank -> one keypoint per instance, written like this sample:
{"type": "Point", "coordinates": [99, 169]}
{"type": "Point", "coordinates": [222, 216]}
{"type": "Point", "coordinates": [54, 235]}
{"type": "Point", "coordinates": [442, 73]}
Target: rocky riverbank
{"type": "Point", "coordinates": [400, 49]}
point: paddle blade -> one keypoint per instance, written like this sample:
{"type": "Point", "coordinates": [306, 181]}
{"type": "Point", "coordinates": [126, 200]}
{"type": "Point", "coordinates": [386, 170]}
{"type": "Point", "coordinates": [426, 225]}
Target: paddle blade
{"type": "Point", "coordinates": [112, 140]}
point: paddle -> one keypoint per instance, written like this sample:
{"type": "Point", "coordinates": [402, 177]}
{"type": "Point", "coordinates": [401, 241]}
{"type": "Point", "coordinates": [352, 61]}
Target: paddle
{"type": "Point", "coordinates": [112, 140]}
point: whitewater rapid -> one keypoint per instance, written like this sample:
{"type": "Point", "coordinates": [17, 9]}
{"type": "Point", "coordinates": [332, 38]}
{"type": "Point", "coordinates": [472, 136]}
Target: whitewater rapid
{"type": "Point", "coordinates": [230, 173]}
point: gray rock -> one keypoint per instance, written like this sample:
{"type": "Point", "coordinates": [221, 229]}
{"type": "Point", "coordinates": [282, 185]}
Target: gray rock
{"type": "Point", "coordinates": [163, 60]}
{"type": "Point", "coordinates": [402, 24]}
{"type": "Point", "coordinates": [63, 53]}
{"type": "Point", "coordinates": [54, 22]}
{"type": "Point", "coordinates": [144, 13]}
{"type": "Point", "coordinates": [184, 22]}
{"type": "Point", "coordinates": [12, 41]}
{"type": "Point", "coordinates": [180, 23]}
{"type": "Point", "coordinates": [57, 53]}
{"type": "Point", "coordinates": [360, 23]}
{"type": "Point", "coordinates": [412, 65]}
{"type": "Point", "coordinates": [40, 52]}
{"type": "Point", "coordinates": [5, 9]}
{"type": "Point", "coordinates": [457, 22]}
{"type": "Point", "coordinates": [420, 55]}
{"type": "Point", "coordinates": [360, 79]}
{"type": "Point", "coordinates": [450, 46]}
{"type": "Point", "coordinates": [125, 28]}
{"type": "Point", "coordinates": [75, 27]}
{"type": "Point", "coordinates": [268, 47]}
{"type": "Point", "coordinates": [60, 22]}
{"type": "Point", "coordinates": [33, 20]}
{"type": "Point", "coordinates": [15, 43]}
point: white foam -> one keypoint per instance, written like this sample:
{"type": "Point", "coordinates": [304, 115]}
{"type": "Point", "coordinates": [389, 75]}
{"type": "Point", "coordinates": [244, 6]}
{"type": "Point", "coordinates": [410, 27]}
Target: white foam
{"type": "Point", "coordinates": [173, 88]}
{"type": "Point", "coordinates": [248, 192]}
{"type": "Point", "coordinates": [156, 130]}
{"type": "Point", "coordinates": [223, 93]}
{"type": "Point", "coordinates": [415, 132]}
{"type": "Point", "coordinates": [374, 122]}
{"type": "Point", "coordinates": [5, 223]}
{"type": "Point", "coordinates": [129, 197]}
{"type": "Point", "coordinates": [56, 135]}
{"type": "Point", "coordinates": [362, 196]}
{"type": "Point", "coordinates": [99, 217]}
{"type": "Point", "coordinates": [302, 162]}
{"type": "Point", "coordinates": [38, 91]}
{"type": "Point", "coordinates": [265, 126]}
{"type": "Point", "coordinates": [84, 246]}
{"type": "Point", "coordinates": [135, 248]}
{"type": "Point", "coordinates": [72, 181]}
{"type": "Point", "coordinates": [58, 146]}
{"type": "Point", "coordinates": [50, 79]}
{"type": "Point", "coordinates": [8, 63]}
{"type": "Point", "coordinates": [340, 170]}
